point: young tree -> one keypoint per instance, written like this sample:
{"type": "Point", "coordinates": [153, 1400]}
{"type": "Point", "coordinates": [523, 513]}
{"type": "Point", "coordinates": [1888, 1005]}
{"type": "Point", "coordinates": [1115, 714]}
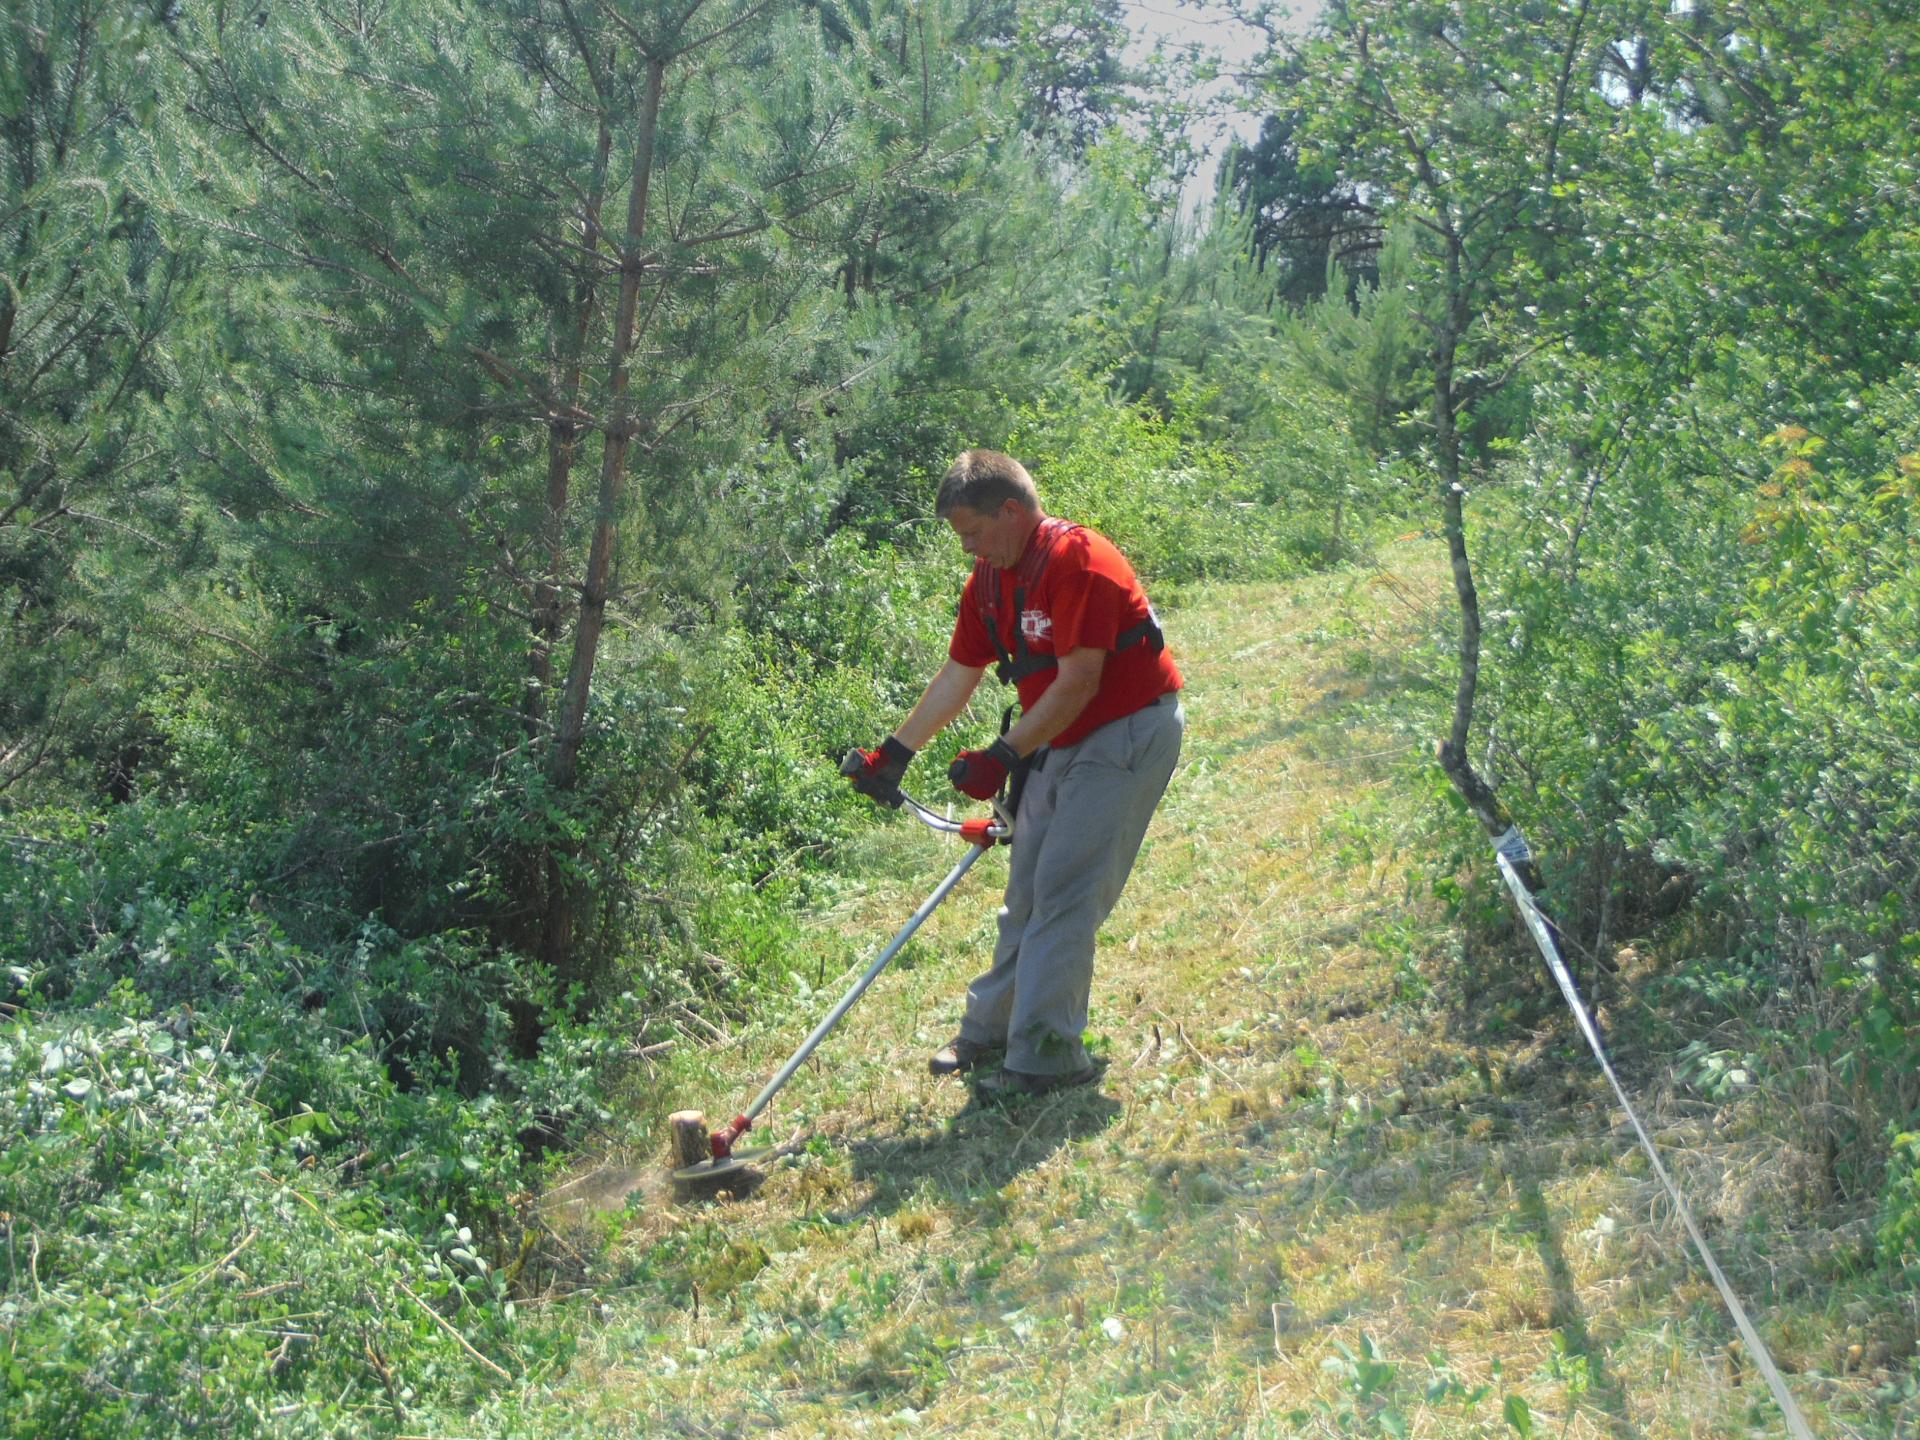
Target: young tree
{"type": "Point", "coordinates": [1484, 127]}
{"type": "Point", "coordinates": [555, 235]}
{"type": "Point", "coordinates": [92, 286]}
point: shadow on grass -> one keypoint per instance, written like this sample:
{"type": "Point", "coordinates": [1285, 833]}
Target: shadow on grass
{"type": "Point", "coordinates": [1568, 1316]}
{"type": "Point", "coordinates": [979, 1150]}
{"type": "Point", "coordinates": [1536, 1093]}
{"type": "Point", "coordinates": [1318, 719]}
{"type": "Point", "coordinates": [1506, 992]}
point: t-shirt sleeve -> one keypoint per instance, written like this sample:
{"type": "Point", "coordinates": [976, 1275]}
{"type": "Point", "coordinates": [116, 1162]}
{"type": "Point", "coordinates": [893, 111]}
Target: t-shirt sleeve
{"type": "Point", "coordinates": [1089, 607]}
{"type": "Point", "coordinates": [971, 645]}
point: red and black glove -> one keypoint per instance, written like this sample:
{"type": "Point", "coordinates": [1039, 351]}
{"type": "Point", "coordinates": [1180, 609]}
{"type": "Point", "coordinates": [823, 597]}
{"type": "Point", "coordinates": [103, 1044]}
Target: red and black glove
{"type": "Point", "coordinates": [877, 773]}
{"type": "Point", "coordinates": [981, 773]}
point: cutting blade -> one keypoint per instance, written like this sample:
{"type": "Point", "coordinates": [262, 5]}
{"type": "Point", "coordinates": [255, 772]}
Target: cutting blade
{"type": "Point", "coordinates": [713, 1169]}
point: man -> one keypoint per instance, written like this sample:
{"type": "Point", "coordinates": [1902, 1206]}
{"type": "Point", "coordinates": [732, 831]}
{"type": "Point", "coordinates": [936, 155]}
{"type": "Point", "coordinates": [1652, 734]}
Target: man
{"type": "Point", "coordinates": [1060, 610]}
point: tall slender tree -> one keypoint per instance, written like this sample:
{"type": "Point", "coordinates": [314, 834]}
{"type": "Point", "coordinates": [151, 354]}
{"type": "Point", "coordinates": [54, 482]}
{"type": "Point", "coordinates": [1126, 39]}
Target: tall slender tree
{"type": "Point", "coordinates": [1484, 128]}
{"type": "Point", "coordinates": [567, 233]}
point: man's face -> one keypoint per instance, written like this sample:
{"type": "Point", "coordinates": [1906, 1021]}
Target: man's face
{"type": "Point", "coordinates": [998, 538]}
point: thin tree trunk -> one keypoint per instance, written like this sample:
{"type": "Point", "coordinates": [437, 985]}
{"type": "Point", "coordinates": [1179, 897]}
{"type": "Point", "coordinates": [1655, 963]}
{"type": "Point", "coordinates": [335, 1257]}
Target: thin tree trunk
{"type": "Point", "coordinates": [1454, 760]}
{"type": "Point", "coordinates": [1453, 515]}
{"type": "Point", "coordinates": [1486, 805]}
{"type": "Point", "coordinates": [562, 442]}
{"type": "Point", "coordinates": [563, 436]}
{"type": "Point", "coordinates": [557, 941]}
{"type": "Point", "coordinates": [621, 427]}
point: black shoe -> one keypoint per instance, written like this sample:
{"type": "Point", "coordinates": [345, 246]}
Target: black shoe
{"type": "Point", "coordinates": [1005, 1084]}
{"type": "Point", "coordinates": [961, 1056]}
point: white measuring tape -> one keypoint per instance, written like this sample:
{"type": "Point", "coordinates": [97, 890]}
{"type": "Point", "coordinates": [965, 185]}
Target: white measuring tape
{"type": "Point", "coordinates": [1506, 848]}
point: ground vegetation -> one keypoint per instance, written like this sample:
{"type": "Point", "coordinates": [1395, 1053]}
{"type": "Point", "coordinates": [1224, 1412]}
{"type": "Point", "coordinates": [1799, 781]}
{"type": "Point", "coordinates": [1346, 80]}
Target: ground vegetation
{"type": "Point", "coordinates": [464, 479]}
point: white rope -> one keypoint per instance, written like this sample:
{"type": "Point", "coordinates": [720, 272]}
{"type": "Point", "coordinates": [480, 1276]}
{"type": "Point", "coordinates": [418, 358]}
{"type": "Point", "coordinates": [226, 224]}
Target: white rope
{"type": "Point", "coordinates": [1514, 843]}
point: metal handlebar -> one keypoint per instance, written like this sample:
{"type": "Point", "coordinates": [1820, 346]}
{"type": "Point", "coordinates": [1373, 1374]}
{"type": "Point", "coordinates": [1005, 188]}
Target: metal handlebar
{"type": "Point", "coordinates": [1000, 830]}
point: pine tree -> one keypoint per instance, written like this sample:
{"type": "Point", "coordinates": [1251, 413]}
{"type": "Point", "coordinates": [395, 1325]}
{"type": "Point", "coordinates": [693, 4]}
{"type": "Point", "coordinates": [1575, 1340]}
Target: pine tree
{"type": "Point", "coordinates": [555, 237]}
{"type": "Point", "coordinates": [92, 287]}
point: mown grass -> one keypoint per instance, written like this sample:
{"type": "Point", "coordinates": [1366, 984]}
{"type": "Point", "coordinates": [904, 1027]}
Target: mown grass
{"type": "Point", "coordinates": [1347, 1171]}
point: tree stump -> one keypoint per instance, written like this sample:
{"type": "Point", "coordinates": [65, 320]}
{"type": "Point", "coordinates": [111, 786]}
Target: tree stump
{"type": "Point", "coordinates": [690, 1145]}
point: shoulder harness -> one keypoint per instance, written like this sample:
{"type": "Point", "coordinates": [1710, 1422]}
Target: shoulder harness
{"type": "Point", "coordinates": [1021, 662]}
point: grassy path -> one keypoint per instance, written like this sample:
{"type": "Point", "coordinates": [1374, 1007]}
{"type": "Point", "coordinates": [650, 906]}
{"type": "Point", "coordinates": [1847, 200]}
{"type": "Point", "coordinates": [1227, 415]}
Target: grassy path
{"type": "Point", "coordinates": [1343, 1176]}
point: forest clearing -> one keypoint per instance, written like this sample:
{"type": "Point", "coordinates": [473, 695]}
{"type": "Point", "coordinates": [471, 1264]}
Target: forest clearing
{"type": "Point", "coordinates": [497, 497]}
{"type": "Point", "coordinates": [1348, 1170]}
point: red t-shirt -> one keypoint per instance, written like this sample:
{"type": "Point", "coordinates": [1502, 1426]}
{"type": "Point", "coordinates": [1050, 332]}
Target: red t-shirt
{"type": "Point", "coordinates": [1085, 594]}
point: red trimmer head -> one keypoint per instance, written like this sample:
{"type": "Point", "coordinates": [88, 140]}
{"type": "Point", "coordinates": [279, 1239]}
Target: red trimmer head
{"type": "Point", "coordinates": [724, 1161]}
{"type": "Point", "coordinates": [722, 1140]}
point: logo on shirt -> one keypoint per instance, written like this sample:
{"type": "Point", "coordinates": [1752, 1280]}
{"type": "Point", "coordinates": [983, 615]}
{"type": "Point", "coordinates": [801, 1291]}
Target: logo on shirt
{"type": "Point", "coordinates": [1036, 625]}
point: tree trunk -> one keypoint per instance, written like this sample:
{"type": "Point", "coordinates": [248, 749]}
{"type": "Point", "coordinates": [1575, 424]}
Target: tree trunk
{"type": "Point", "coordinates": [562, 441]}
{"type": "Point", "coordinates": [690, 1144]}
{"type": "Point", "coordinates": [557, 942]}
{"type": "Point", "coordinates": [1466, 593]}
{"type": "Point", "coordinates": [1487, 807]}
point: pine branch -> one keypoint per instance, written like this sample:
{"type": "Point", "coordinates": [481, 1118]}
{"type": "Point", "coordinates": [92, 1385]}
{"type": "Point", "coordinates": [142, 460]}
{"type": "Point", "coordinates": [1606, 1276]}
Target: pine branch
{"type": "Point", "coordinates": [752, 13]}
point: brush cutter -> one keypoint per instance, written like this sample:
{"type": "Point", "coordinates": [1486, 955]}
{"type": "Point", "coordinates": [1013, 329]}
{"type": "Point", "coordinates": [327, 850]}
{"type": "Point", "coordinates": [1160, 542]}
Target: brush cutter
{"type": "Point", "coordinates": [981, 835]}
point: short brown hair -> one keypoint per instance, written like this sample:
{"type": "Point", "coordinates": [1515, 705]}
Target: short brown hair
{"type": "Point", "coordinates": [983, 481]}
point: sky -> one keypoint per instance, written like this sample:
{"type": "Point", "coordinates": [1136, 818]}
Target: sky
{"type": "Point", "coordinates": [1175, 23]}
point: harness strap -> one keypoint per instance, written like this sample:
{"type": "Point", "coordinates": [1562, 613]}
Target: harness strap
{"type": "Point", "coordinates": [1021, 662]}
{"type": "Point", "coordinates": [1013, 669]}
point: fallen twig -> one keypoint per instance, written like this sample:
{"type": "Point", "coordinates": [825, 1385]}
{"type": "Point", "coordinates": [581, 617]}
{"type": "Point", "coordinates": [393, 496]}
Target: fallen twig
{"type": "Point", "coordinates": [1147, 1049]}
{"type": "Point", "coordinates": [186, 1282]}
{"type": "Point", "coordinates": [447, 1326]}
{"type": "Point", "coordinates": [701, 1022]}
{"type": "Point", "coordinates": [1205, 1059]}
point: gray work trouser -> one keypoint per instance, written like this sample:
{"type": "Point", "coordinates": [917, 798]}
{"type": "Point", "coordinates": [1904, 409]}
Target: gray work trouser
{"type": "Point", "coordinates": [1081, 820]}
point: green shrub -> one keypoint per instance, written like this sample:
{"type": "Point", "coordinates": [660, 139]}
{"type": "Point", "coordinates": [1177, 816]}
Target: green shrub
{"type": "Point", "coordinates": [1701, 671]}
{"type": "Point", "coordinates": [183, 1261]}
{"type": "Point", "coordinates": [1900, 1210]}
{"type": "Point", "coordinates": [1183, 507]}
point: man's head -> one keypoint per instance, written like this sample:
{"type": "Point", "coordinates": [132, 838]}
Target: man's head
{"type": "Point", "coordinates": [990, 501]}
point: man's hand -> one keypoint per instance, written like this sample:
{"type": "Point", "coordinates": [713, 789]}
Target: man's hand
{"type": "Point", "coordinates": [878, 773]}
{"type": "Point", "coordinates": [981, 773]}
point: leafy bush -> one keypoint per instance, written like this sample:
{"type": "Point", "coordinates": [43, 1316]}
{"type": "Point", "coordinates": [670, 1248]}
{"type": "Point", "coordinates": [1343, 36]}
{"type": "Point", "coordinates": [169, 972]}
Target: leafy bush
{"type": "Point", "coordinates": [830, 659]}
{"type": "Point", "coordinates": [1706, 680]}
{"type": "Point", "coordinates": [183, 1261]}
{"type": "Point", "coordinates": [410, 1046]}
{"type": "Point", "coordinates": [1182, 507]}
{"type": "Point", "coordinates": [1900, 1213]}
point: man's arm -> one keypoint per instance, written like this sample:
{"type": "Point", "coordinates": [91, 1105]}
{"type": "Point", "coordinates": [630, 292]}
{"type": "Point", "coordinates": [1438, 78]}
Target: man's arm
{"type": "Point", "coordinates": [1066, 697]}
{"type": "Point", "coordinates": [946, 696]}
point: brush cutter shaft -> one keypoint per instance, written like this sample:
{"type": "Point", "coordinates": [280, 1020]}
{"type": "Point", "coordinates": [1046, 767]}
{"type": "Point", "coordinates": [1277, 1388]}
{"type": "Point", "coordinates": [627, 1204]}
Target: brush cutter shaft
{"type": "Point", "coordinates": [974, 852]}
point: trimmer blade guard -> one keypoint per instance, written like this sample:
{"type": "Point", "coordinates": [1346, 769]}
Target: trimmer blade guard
{"type": "Point", "coordinates": [714, 1169]}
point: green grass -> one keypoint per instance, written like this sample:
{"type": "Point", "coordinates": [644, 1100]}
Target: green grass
{"type": "Point", "coordinates": [1347, 1172]}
